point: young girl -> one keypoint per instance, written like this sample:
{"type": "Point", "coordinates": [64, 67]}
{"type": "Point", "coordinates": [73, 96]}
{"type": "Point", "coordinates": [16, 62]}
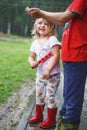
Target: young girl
{"type": "Point", "coordinates": [48, 71]}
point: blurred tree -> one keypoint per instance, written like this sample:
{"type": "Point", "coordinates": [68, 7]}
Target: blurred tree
{"type": "Point", "coordinates": [14, 19]}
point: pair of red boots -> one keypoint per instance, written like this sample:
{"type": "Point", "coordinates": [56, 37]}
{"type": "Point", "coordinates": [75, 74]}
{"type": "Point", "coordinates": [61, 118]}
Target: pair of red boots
{"type": "Point", "coordinates": [49, 122]}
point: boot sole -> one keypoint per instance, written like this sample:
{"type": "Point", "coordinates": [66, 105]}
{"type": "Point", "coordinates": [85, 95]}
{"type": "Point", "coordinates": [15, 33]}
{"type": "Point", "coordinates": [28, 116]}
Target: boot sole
{"type": "Point", "coordinates": [36, 121]}
{"type": "Point", "coordinates": [48, 127]}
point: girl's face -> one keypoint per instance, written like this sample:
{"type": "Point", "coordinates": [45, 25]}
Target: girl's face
{"type": "Point", "coordinates": [42, 27]}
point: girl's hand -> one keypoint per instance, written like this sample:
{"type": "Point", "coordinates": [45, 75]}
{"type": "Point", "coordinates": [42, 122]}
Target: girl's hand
{"type": "Point", "coordinates": [46, 74]}
{"type": "Point", "coordinates": [31, 60]}
{"type": "Point", "coordinates": [33, 65]}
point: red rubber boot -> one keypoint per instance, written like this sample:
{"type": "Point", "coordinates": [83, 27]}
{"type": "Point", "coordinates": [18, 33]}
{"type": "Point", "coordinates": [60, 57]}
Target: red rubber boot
{"type": "Point", "coordinates": [51, 120]}
{"type": "Point", "coordinates": [38, 115]}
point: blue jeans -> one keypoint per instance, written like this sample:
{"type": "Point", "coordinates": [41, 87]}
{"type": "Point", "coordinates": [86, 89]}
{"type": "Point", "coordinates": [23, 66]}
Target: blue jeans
{"type": "Point", "coordinates": [75, 74]}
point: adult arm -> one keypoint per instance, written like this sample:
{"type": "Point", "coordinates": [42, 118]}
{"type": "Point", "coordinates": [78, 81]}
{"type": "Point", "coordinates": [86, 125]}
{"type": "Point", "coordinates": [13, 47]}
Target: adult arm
{"type": "Point", "coordinates": [59, 18]}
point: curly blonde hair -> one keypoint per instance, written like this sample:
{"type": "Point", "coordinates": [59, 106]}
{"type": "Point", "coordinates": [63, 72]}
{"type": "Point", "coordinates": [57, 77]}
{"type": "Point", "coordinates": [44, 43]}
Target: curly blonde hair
{"type": "Point", "coordinates": [35, 33]}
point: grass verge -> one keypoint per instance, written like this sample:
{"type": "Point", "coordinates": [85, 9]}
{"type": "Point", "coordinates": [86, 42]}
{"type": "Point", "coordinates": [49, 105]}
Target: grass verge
{"type": "Point", "coordinates": [14, 68]}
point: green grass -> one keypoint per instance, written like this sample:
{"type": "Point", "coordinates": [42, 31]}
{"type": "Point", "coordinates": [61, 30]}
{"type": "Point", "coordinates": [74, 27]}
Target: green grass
{"type": "Point", "coordinates": [14, 67]}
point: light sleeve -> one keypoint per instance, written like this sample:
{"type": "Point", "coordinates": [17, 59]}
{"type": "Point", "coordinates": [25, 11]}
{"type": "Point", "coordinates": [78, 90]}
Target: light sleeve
{"type": "Point", "coordinates": [32, 48]}
{"type": "Point", "coordinates": [54, 41]}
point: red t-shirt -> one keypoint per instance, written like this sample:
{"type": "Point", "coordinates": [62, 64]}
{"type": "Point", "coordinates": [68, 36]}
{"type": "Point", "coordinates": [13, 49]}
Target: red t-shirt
{"type": "Point", "coordinates": [74, 40]}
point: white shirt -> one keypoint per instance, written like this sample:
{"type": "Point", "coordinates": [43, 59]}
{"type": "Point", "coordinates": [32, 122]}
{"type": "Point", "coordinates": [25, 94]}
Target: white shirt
{"type": "Point", "coordinates": [41, 51]}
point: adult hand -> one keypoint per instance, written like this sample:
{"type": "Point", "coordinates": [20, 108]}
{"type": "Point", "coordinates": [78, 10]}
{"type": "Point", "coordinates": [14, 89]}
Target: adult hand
{"type": "Point", "coordinates": [34, 12]}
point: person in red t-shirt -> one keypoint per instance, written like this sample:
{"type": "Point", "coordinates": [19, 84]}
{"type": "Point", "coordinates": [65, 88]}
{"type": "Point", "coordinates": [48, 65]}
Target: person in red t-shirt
{"type": "Point", "coordinates": [74, 57]}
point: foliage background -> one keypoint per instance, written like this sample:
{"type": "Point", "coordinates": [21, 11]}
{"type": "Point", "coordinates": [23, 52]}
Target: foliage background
{"type": "Point", "coordinates": [14, 20]}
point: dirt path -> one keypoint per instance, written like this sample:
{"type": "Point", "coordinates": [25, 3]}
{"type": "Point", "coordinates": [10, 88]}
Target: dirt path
{"type": "Point", "coordinates": [11, 111]}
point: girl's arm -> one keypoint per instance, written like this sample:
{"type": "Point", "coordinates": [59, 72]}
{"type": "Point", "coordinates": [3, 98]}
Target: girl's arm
{"type": "Point", "coordinates": [31, 60]}
{"type": "Point", "coordinates": [52, 62]}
